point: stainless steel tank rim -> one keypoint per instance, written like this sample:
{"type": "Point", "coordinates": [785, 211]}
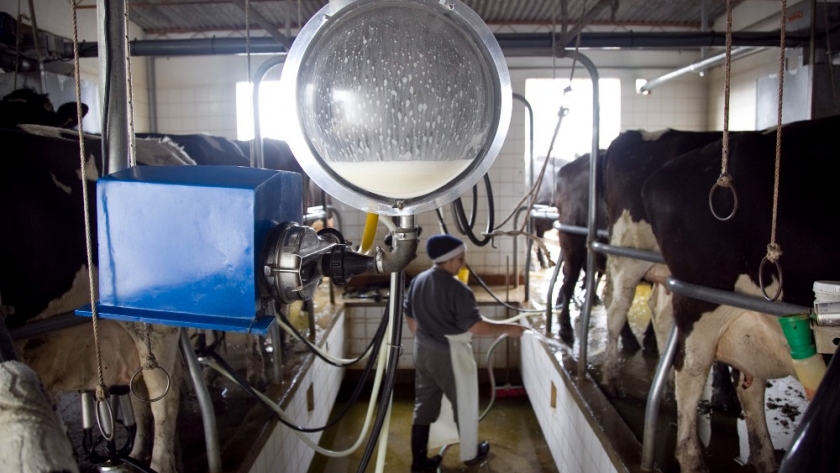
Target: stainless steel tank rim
{"type": "Point", "coordinates": [479, 34]}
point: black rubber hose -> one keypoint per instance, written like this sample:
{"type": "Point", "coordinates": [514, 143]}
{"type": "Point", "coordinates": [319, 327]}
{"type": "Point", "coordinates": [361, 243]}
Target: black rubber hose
{"type": "Point", "coordinates": [388, 389]}
{"type": "Point", "coordinates": [135, 464]}
{"type": "Point", "coordinates": [463, 223]}
{"type": "Point", "coordinates": [376, 342]}
{"type": "Point", "coordinates": [317, 353]}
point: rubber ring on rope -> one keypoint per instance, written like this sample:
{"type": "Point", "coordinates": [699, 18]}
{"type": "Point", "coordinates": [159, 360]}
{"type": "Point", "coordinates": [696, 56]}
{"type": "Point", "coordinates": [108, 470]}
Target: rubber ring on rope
{"type": "Point", "coordinates": [165, 391]}
{"type": "Point", "coordinates": [99, 419]}
{"type": "Point", "coordinates": [761, 279]}
{"type": "Point", "coordinates": [712, 207]}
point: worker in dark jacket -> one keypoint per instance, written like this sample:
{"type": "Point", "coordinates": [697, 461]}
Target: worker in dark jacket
{"type": "Point", "coordinates": [443, 315]}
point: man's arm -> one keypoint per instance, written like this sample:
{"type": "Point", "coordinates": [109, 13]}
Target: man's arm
{"type": "Point", "coordinates": [487, 327]}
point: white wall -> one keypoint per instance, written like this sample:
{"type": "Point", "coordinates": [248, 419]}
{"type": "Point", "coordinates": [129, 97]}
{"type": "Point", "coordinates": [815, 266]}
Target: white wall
{"type": "Point", "coordinates": [744, 72]}
{"type": "Point", "coordinates": [56, 17]}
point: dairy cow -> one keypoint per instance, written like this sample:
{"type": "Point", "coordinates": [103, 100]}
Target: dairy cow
{"type": "Point", "coordinates": [43, 272]}
{"type": "Point", "coordinates": [546, 195]}
{"type": "Point", "coordinates": [205, 149]}
{"type": "Point", "coordinates": [629, 161]}
{"type": "Point", "coordinates": [700, 249]}
{"type": "Point", "coordinates": [27, 106]}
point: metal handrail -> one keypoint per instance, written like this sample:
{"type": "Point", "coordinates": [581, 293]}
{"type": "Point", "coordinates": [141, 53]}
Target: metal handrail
{"type": "Point", "coordinates": [575, 230]}
{"type": "Point", "coordinates": [734, 299]}
{"type": "Point", "coordinates": [634, 253]}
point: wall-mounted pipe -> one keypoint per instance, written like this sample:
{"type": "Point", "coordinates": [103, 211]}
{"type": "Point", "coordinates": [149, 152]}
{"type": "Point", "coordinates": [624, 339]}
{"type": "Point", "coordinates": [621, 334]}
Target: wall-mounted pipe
{"type": "Point", "coordinates": [513, 44]}
{"type": "Point", "coordinates": [113, 92]}
{"type": "Point", "coordinates": [737, 53]}
{"type": "Point", "coordinates": [257, 143]}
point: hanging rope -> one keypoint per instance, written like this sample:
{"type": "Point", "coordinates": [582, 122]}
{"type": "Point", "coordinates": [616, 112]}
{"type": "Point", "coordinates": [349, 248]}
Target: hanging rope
{"type": "Point", "coordinates": [101, 388]}
{"type": "Point", "coordinates": [725, 180]}
{"type": "Point", "coordinates": [774, 251]}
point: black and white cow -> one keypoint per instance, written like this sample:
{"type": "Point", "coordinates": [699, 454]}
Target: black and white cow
{"type": "Point", "coordinates": [629, 161]}
{"type": "Point", "coordinates": [43, 272]}
{"type": "Point", "coordinates": [205, 149]}
{"type": "Point", "coordinates": [726, 255]}
{"type": "Point", "coordinates": [28, 106]}
{"type": "Point", "coordinates": [546, 195]}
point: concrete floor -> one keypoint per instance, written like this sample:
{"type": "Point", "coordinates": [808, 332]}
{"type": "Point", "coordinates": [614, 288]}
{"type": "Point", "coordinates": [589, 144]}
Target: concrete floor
{"type": "Point", "coordinates": [516, 441]}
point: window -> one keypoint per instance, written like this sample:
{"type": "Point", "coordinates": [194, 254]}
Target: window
{"type": "Point", "coordinates": [273, 119]}
{"type": "Point", "coordinates": [575, 135]}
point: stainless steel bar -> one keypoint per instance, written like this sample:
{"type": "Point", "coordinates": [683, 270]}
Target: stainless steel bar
{"type": "Point", "coordinates": [643, 255]}
{"type": "Point", "coordinates": [592, 220]}
{"type": "Point", "coordinates": [516, 247]}
{"type": "Point", "coordinates": [655, 397]}
{"type": "Point", "coordinates": [48, 325]}
{"type": "Point", "coordinates": [112, 84]}
{"type": "Point", "coordinates": [574, 229]}
{"type": "Point", "coordinates": [529, 243]}
{"type": "Point", "coordinates": [257, 143]}
{"type": "Point", "coordinates": [742, 301]}
{"type": "Point", "coordinates": [276, 354]}
{"type": "Point", "coordinates": [208, 415]}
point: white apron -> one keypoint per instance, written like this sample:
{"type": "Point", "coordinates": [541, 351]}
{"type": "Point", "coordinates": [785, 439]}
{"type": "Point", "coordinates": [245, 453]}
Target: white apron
{"type": "Point", "coordinates": [466, 386]}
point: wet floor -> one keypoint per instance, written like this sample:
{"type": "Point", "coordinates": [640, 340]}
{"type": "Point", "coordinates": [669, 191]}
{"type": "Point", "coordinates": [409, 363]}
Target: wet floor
{"type": "Point", "coordinates": [516, 441]}
{"type": "Point", "coordinates": [724, 435]}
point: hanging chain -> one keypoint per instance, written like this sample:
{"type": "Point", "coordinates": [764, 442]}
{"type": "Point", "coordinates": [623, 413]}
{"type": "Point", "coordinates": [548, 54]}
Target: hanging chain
{"type": "Point", "coordinates": [132, 140]}
{"type": "Point", "coordinates": [107, 430]}
{"type": "Point", "coordinates": [774, 251]}
{"type": "Point", "coordinates": [725, 180]}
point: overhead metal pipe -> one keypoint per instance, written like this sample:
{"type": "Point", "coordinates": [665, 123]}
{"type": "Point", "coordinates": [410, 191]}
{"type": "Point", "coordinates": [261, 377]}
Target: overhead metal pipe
{"type": "Point", "coordinates": [113, 92]}
{"type": "Point", "coordinates": [697, 67]}
{"type": "Point", "coordinates": [514, 44]}
{"type": "Point", "coordinates": [259, 154]}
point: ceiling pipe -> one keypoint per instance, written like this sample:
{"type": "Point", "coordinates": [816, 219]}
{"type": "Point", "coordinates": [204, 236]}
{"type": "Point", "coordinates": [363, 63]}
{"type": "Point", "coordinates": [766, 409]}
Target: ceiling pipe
{"type": "Point", "coordinates": [701, 66]}
{"type": "Point", "coordinates": [264, 23]}
{"type": "Point", "coordinates": [513, 44]}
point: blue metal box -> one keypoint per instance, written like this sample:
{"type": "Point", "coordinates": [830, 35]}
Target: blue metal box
{"type": "Point", "coordinates": [183, 245]}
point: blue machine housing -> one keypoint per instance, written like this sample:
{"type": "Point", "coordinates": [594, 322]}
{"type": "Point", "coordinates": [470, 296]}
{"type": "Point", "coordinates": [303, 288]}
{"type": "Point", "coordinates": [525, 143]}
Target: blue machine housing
{"type": "Point", "coordinates": [183, 245]}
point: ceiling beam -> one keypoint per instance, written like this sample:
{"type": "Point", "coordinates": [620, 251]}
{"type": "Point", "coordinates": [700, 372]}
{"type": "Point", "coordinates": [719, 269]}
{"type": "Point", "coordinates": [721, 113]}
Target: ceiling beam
{"type": "Point", "coordinates": [264, 23]}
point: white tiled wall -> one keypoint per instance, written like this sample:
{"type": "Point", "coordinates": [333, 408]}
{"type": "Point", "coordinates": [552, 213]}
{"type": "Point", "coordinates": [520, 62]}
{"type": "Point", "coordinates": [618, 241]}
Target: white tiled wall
{"type": "Point", "coordinates": [363, 320]}
{"type": "Point", "coordinates": [284, 451]}
{"type": "Point", "coordinates": [573, 444]}
{"type": "Point", "coordinates": [207, 109]}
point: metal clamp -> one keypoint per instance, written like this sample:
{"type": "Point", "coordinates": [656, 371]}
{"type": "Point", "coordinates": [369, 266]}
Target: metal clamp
{"type": "Point", "coordinates": [761, 279]}
{"type": "Point", "coordinates": [110, 412]}
{"type": "Point", "coordinates": [725, 180]}
{"type": "Point", "coordinates": [150, 367]}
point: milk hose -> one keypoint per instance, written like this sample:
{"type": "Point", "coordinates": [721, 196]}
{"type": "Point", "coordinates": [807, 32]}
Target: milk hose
{"type": "Point", "coordinates": [465, 226]}
{"type": "Point", "coordinates": [397, 284]}
{"type": "Point", "coordinates": [382, 356]}
{"type": "Point", "coordinates": [284, 323]}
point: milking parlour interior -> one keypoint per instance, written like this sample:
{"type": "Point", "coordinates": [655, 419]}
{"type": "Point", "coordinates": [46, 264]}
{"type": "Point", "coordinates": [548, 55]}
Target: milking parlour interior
{"type": "Point", "coordinates": [302, 236]}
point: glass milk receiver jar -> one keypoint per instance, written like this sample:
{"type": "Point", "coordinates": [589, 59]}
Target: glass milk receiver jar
{"type": "Point", "coordinates": [399, 105]}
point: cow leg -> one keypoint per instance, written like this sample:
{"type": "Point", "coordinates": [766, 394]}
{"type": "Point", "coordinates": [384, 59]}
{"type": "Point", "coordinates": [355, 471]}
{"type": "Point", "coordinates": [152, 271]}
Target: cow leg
{"type": "Point", "coordinates": [751, 395]}
{"type": "Point", "coordinates": [573, 260]}
{"type": "Point", "coordinates": [164, 343]}
{"type": "Point", "coordinates": [754, 343]}
{"type": "Point", "coordinates": [698, 356]}
{"type": "Point", "coordinates": [623, 275]}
